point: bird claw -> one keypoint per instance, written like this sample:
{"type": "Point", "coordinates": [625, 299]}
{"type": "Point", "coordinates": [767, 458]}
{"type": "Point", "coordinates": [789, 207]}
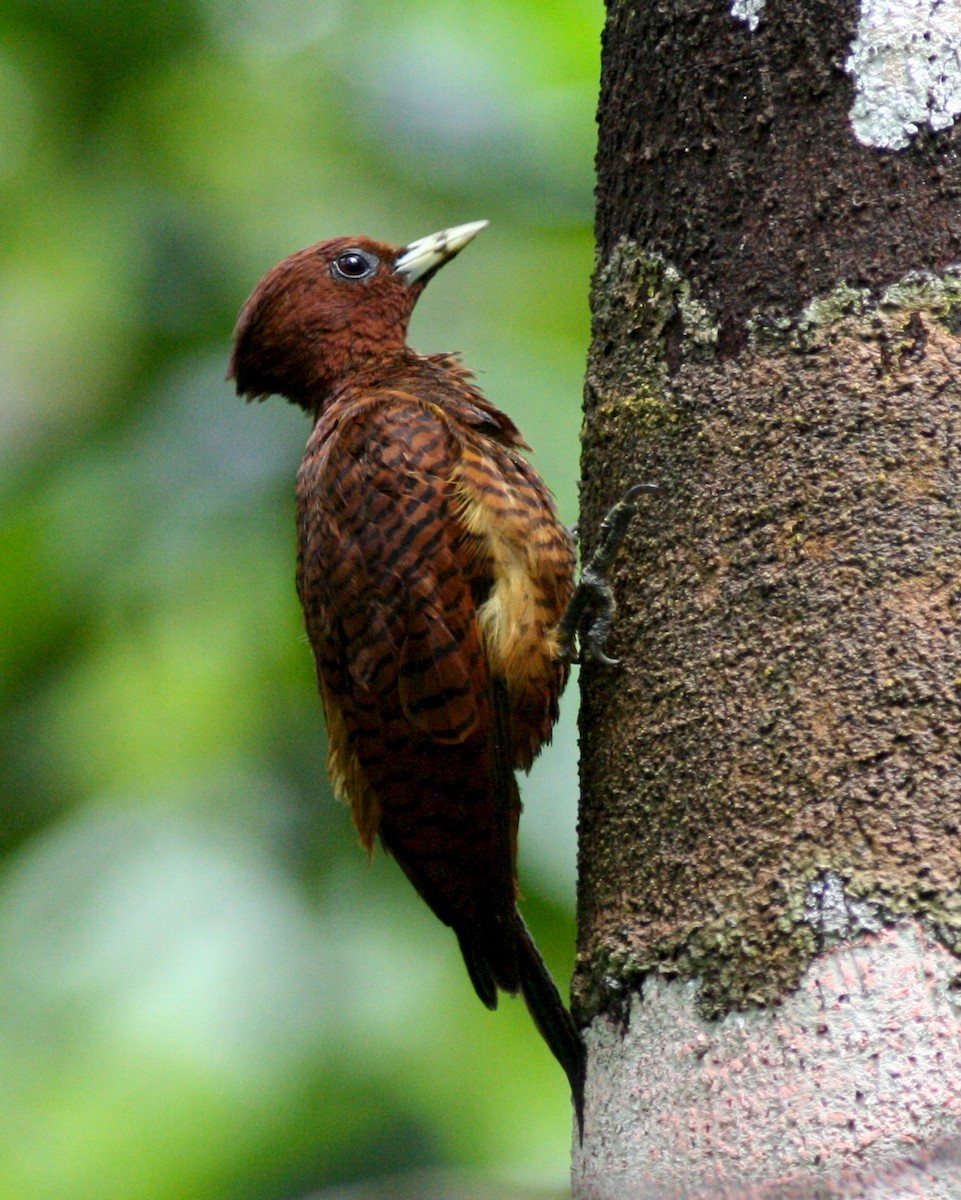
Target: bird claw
{"type": "Point", "coordinates": [597, 656]}
{"type": "Point", "coordinates": [590, 611]}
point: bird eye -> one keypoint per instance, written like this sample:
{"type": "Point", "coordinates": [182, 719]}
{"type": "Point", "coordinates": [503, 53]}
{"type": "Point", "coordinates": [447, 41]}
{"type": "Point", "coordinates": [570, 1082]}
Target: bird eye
{"type": "Point", "coordinates": [355, 264]}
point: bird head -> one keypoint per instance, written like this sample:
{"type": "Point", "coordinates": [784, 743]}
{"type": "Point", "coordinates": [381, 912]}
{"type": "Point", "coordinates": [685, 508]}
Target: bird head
{"type": "Point", "coordinates": [331, 310]}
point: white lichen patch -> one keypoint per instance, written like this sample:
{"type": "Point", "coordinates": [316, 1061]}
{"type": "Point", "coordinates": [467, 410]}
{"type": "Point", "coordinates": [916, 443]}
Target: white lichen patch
{"type": "Point", "coordinates": [856, 1068]}
{"type": "Point", "coordinates": [939, 294]}
{"type": "Point", "coordinates": [834, 915]}
{"type": "Point", "coordinates": [655, 292]}
{"type": "Point", "coordinates": [906, 66]}
{"type": "Point", "coordinates": [700, 329]}
{"type": "Point", "coordinates": [924, 289]}
{"type": "Point", "coordinates": [748, 11]}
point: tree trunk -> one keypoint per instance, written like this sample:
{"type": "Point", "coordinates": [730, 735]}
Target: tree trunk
{"type": "Point", "coordinates": [770, 895]}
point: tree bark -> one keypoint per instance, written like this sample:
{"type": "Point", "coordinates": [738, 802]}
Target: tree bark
{"type": "Point", "coordinates": [770, 885]}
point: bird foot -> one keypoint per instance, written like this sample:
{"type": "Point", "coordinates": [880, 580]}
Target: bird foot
{"type": "Point", "coordinates": [586, 622]}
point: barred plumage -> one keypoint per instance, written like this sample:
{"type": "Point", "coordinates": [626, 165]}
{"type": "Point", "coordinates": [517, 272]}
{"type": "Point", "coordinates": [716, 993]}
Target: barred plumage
{"type": "Point", "coordinates": [432, 570]}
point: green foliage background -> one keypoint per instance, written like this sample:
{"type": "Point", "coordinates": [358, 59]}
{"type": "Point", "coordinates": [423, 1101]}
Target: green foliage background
{"type": "Point", "coordinates": [205, 989]}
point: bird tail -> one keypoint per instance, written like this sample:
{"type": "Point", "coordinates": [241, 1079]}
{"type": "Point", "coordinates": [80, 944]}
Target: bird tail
{"type": "Point", "coordinates": [479, 969]}
{"type": "Point", "coordinates": [528, 974]}
{"type": "Point", "coordinates": [503, 955]}
{"type": "Point", "coordinates": [551, 1017]}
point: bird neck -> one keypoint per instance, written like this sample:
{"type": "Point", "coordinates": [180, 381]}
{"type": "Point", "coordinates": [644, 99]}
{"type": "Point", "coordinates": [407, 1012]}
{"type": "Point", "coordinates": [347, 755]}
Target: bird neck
{"type": "Point", "coordinates": [438, 380]}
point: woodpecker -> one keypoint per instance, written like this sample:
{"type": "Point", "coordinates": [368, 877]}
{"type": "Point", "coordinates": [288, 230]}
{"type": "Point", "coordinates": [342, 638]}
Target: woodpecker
{"type": "Point", "coordinates": [434, 572]}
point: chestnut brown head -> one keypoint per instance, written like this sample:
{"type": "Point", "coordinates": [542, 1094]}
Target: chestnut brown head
{"type": "Point", "coordinates": [332, 310]}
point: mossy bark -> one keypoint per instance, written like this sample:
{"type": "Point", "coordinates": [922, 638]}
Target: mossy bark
{"type": "Point", "coordinates": [789, 630]}
{"type": "Point", "coordinates": [776, 345]}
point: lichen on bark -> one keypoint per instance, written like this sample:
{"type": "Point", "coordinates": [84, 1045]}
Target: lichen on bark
{"type": "Point", "coordinates": [791, 689]}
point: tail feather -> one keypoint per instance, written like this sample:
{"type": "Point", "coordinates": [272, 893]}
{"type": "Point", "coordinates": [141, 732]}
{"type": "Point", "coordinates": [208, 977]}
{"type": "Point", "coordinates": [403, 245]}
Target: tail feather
{"type": "Point", "coordinates": [501, 952]}
{"type": "Point", "coordinates": [552, 1018]}
{"type": "Point", "coordinates": [479, 970]}
{"type": "Point", "coordinates": [528, 974]}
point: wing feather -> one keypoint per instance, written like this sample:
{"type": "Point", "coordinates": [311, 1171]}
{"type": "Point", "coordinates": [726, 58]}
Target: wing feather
{"type": "Point", "coordinates": [432, 569]}
{"type": "Point", "coordinates": [390, 578]}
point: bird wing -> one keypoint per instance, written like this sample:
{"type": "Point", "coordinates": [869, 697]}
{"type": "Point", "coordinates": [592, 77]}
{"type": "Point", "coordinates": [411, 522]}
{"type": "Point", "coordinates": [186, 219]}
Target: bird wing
{"type": "Point", "coordinates": [385, 569]}
{"type": "Point", "coordinates": [390, 580]}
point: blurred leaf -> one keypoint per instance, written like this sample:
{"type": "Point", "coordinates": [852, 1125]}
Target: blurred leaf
{"type": "Point", "coordinates": [207, 990]}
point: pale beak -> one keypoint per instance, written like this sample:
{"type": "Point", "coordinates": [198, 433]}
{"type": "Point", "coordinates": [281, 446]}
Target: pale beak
{"type": "Point", "coordinates": [422, 258]}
